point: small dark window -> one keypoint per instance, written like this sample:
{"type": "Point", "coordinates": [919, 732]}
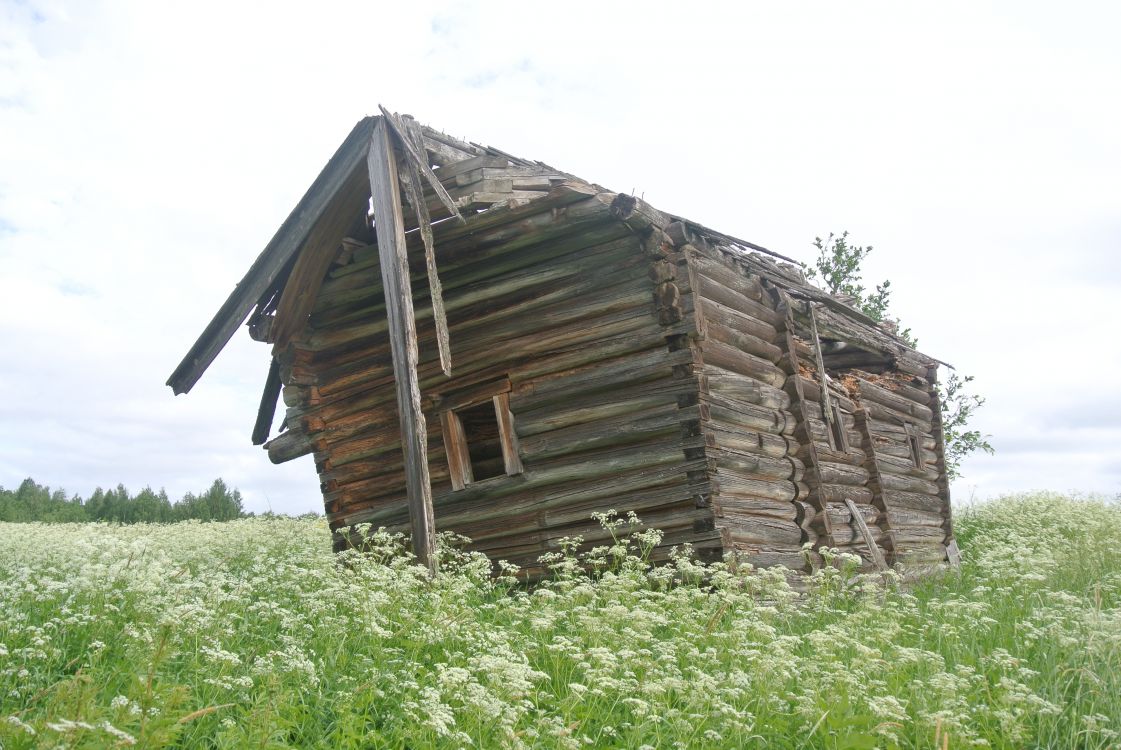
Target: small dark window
{"type": "Point", "coordinates": [914, 440]}
{"type": "Point", "coordinates": [479, 436]}
{"type": "Point", "coordinates": [840, 439]}
{"type": "Point", "coordinates": [484, 443]}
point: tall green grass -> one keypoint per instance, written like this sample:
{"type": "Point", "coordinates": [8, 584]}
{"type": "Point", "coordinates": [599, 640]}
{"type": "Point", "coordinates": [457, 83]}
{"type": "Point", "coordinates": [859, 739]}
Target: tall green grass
{"type": "Point", "coordinates": [251, 633]}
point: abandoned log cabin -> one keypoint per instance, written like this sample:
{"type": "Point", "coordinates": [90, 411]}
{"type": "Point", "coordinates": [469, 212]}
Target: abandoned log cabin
{"type": "Point", "coordinates": [473, 342]}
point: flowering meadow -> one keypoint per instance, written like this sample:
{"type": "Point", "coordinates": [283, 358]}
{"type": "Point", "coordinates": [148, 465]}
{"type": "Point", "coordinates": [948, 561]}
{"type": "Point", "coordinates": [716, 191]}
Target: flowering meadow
{"type": "Point", "coordinates": [252, 634]}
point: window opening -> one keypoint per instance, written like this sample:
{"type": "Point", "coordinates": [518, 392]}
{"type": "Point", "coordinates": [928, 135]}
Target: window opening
{"type": "Point", "coordinates": [840, 439]}
{"type": "Point", "coordinates": [479, 435]}
{"type": "Point", "coordinates": [914, 440]}
{"type": "Point", "coordinates": [484, 442]}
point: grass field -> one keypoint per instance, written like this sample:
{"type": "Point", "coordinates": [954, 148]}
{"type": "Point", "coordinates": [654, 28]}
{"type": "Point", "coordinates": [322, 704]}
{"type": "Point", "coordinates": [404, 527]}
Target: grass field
{"type": "Point", "coordinates": [251, 634]}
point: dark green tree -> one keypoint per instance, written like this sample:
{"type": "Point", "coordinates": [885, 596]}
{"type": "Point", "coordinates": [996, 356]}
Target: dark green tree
{"type": "Point", "coordinates": [35, 502]}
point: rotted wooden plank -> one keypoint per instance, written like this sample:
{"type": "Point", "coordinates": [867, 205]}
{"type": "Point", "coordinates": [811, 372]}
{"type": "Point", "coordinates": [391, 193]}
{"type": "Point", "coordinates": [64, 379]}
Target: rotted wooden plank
{"type": "Point", "coordinates": [455, 443]}
{"type": "Point", "coordinates": [410, 177]}
{"type": "Point", "coordinates": [877, 556]}
{"type": "Point", "coordinates": [267, 410]}
{"type": "Point", "coordinates": [511, 457]}
{"type": "Point", "coordinates": [399, 126]}
{"type": "Point", "coordinates": [823, 377]}
{"type": "Point", "coordinates": [798, 396]}
{"type": "Point", "coordinates": [390, 226]}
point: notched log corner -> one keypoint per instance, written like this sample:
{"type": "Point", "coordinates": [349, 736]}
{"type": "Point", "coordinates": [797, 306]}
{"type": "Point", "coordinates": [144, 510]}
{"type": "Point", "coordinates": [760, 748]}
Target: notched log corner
{"type": "Point", "coordinates": [623, 206]}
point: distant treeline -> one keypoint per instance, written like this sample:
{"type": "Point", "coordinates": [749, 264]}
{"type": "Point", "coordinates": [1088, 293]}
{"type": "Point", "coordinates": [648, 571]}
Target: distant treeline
{"type": "Point", "coordinates": [36, 502]}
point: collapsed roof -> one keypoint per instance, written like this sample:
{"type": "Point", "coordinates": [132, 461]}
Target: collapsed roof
{"type": "Point", "coordinates": [279, 287]}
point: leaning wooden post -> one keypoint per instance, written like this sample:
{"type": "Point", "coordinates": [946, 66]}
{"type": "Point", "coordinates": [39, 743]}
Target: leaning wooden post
{"type": "Point", "coordinates": [390, 227]}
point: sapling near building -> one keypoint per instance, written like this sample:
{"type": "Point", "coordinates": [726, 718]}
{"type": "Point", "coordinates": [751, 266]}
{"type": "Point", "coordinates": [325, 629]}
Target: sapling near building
{"type": "Point", "coordinates": [473, 342]}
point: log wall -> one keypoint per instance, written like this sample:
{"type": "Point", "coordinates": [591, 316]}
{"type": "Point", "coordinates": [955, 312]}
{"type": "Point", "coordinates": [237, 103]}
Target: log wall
{"type": "Point", "coordinates": [637, 367]}
{"type": "Point", "coordinates": [759, 490]}
{"type": "Point", "coordinates": [578, 320]}
{"type": "Point", "coordinates": [898, 418]}
{"type": "Point", "coordinates": [783, 473]}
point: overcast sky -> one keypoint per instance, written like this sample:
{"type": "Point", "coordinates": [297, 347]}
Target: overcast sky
{"type": "Point", "coordinates": [147, 155]}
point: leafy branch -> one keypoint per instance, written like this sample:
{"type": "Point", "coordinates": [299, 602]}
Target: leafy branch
{"type": "Point", "coordinates": [837, 269]}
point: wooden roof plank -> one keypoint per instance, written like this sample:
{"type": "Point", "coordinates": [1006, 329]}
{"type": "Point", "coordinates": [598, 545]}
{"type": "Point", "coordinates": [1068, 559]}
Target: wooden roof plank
{"type": "Point", "coordinates": [267, 410]}
{"type": "Point", "coordinates": [271, 262]}
{"type": "Point", "coordinates": [405, 137]}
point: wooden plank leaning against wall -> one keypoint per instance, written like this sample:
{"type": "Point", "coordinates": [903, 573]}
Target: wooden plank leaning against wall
{"type": "Point", "coordinates": [394, 262]}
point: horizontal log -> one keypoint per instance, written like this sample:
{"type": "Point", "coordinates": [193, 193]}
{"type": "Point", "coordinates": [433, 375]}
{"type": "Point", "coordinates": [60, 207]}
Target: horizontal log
{"type": "Point", "coordinates": [569, 209]}
{"type": "Point", "coordinates": [847, 534]}
{"type": "Point", "coordinates": [599, 477]}
{"type": "Point", "coordinates": [620, 429]}
{"type": "Point", "coordinates": [569, 360]}
{"type": "Point", "coordinates": [714, 379]}
{"type": "Point", "coordinates": [735, 320]}
{"type": "Point", "coordinates": [760, 556]}
{"type": "Point", "coordinates": [913, 389]}
{"type": "Point", "coordinates": [757, 465]}
{"type": "Point", "coordinates": [732, 414]}
{"type": "Point", "coordinates": [738, 361]}
{"type": "Point", "coordinates": [721, 269]}
{"type": "Point", "coordinates": [664, 506]}
{"type": "Point", "coordinates": [839, 473]}
{"type": "Point", "coordinates": [836, 493]}
{"type": "Point", "coordinates": [289, 445]}
{"type": "Point", "coordinates": [912, 363]}
{"type": "Point", "coordinates": [547, 274]}
{"type": "Point", "coordinates": [902, 451]}
{"type": "Point", "coordinates": [608, 325]}
{"type": "Point", "coordinates": [914, 536]}
{"type": "Point", "coordinates": [853, 457]}
{"type": "Point", "coordinates": [743, 505]}
{"type": "Point", "coordinates": [910, 484]}
{"type": "Point", "coordinates": [750, 441]}
{"type": "Point", "coordinates": [854, 357]}
{"type": "Point", "coordinates": [761, 530]}
{"type": "Point", "coordinates": [744, 342]}
{"type": "Point", "coordinates": [713, 290]}
{"type": "Point", "coordinates": [726, 481]}
{"type": "Point", "coordinates": [839, 513]}
{"type": "Point", "coordinates": [811, 411]}
{"type": "Point", "coordinates": [906, 467]}
{"type": "Point", "coordinates": [295, 395]}
{"type": "Point", "coordinates": [901, 499]}
{"type": "Point", "coordinates": [897, 517]}
{"type": "Point", "coordinates": [523, 314]}
{"type": "Point", "coordinates": [906, 408]}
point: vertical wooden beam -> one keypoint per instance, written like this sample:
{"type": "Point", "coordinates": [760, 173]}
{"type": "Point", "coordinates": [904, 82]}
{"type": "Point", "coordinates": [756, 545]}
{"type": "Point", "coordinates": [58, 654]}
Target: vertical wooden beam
{"type": "Point", "coordinates": [826, 403]}
{"type": "Point", "coordinates": [455, 443]}
{"type": "Point", "coordinates": [510, 458]}
{"type": "Point", "coordinates": [839, 427]}
{"type": "Point", "coordinates": [787, 343]}
{"type": "Point", "coordinates": [390, 226]}
{"type": "Point", "coordinates": [872, 463]}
